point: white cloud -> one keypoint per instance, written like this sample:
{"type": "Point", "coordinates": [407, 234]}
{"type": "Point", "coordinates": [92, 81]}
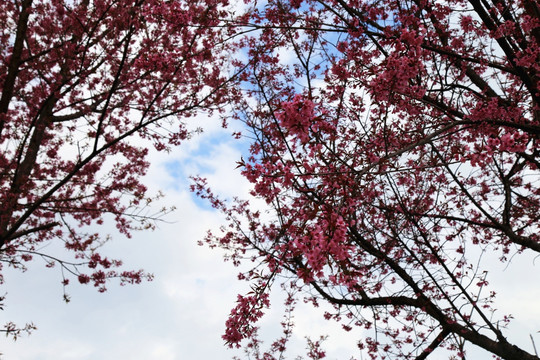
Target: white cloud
{"type": "Point", "coordinates": [181, 314]}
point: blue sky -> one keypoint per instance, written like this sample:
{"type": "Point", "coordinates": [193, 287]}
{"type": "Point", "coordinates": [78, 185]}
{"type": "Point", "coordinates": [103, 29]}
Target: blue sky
{"type": "Point", "coordinates": [181, 314]}
{"type": "Point", "coordinates": [178, 315]}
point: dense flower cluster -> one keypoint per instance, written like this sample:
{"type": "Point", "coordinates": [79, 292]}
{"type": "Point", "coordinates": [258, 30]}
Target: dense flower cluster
{"type": "Point", "coordinates": [394, 141]}
{"type": "Point", "coordinates": [85, 88]}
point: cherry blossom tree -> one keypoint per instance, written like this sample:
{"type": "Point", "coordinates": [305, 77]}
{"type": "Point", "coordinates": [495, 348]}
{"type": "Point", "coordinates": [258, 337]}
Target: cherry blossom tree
{"type": "Point", "coordinates": [86, 86]}
{"type": "Point", "coordinates": [396, 143]}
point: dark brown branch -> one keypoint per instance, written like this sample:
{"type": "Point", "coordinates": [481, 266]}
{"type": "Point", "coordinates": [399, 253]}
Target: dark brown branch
{"type": "Point", "coordinates": [13, 68]}
{"type": "Point", "coordinates": [379, 301]}
{"type": "Point", "coordinates": [434, 345]}
{"type": "Point", "coordinates": [19, 234]}
{"type": "Point", "coordinates": [507, 49]}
